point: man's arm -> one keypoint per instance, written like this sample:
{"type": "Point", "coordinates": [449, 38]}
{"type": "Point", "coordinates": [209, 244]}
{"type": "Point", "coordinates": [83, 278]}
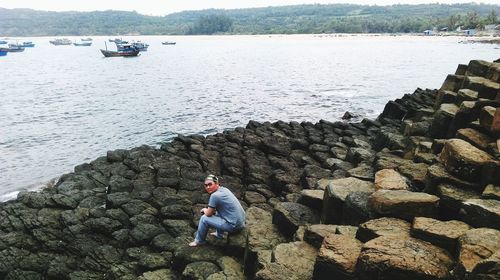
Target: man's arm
{"type": "Point", "coordinates": [208, 211]}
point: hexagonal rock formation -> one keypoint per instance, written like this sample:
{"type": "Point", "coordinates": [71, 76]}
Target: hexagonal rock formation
{"type": "Point", "coordinates": [383, 227]}
{"type": "Point", "coordinates": [290, 261]}
{"type": "Point", "coordinates": [390, 179]}
{"type": "Point", "coordinates": [314, 234]}
{"type": "Point", "coordinates": [439, 233]}
{"type": "Point", "coordinates": [312, 198]}
{"type": "Point", "coordinates": [463, 160]}
{"type": "Point", "coordinates": [288, 216]}
{"type": "Point", "coordinates": [481, 212]}
{"type": "Point", "coordinates": [476, 246]}
{"type": "Point", "coordinates": [337, 257]}
{"type": "Point", "coordinates": [392, 258]}
{"type": "Point", "coordinates": [335, 196]}
{"type": "Point", "coordinates": [403, 204]}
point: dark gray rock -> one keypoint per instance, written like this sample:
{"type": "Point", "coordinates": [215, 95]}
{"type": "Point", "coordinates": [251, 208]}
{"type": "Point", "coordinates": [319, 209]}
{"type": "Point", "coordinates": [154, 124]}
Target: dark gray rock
{"type": "Point", "coordinates": [288, 216]}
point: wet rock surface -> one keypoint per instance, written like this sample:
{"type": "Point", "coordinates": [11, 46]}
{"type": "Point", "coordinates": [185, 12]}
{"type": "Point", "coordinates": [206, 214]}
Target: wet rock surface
{"type": "Point", "coordinates": [388, 186]}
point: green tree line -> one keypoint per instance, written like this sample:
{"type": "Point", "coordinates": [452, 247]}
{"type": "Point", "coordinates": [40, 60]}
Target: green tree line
{"type": "Point", "coordinates": [296, 19]}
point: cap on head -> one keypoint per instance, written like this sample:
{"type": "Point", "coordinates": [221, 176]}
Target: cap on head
{"type": "Point", "coordinates": [213, 178]}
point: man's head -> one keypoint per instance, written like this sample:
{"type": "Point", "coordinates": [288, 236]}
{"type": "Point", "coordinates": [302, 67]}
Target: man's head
{"type": "Point", "coordinates": [211, 183]}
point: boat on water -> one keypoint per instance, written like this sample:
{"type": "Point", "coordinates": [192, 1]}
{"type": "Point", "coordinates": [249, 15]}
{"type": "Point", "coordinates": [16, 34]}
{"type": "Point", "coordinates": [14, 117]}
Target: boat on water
{"type": "Point", "coordinates": [2, 42]}
{"type": "Point", "coordinates": [86, 39]}
{"type": "Point", "coordinates": [28, 44]}
{"type": "Point", "coordinates": [61, 42]}
{"type": "Point", "coordinates": [168, 43]}
{"type": "Point", "coordinates": [142, 47]}
{"type": "Point", "coordinates": [13, 48]}
{"type": "Point", "coordinates": [82, 44]}
{"type": "Point", "coordinates": [127, 51]}
{"type": "Point", "coordinates": [118, 41]}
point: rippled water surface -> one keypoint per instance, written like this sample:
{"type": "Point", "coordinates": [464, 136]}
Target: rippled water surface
{"type": "Point", "coordinates": [62, 106]}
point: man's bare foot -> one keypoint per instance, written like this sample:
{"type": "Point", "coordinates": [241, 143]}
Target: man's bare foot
{"type": "Point", "coordinates": [194, 244]}
{"type": "Point", "coordinates": [214, 234]}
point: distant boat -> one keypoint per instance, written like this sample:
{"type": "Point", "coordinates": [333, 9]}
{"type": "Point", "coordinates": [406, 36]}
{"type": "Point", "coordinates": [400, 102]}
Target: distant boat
{"type": "Point", "coordinates": [3, 42]}
{"type": "Point", "coordinates": [82, 44]}
{"type": "Point", "coordinates": [61, 42]}
{"type": "Point", "coordinates": [126, 51]}
{"type": "Point", "coordinates": [118, 41]}
{"type": "Point", "coordinates": [12, 48]}
{"type": "Point", "coordinates": [86, 39]}
{"type": "Point", "coordinates": [28, 44]}
{"type": "Point", "coordinates": [142, 47]}
{"type": "Point", "coordinates": [168, 43]}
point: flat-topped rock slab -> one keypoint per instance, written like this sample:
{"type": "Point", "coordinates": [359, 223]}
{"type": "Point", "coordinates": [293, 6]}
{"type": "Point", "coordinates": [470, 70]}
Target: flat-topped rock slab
{"type": "Point", "coordinates": [393, 258]}
{"type": "Point", "coordinates": [383, 227]}
{"type": "Point", "coordinates": [443, 234]}
{"type": "Point", "coordinates": [481, 213]}
{"type": "Point", "coordinates": [403, 204]}
{"type": "Point", "coordinates": [314, 234]}
{"type": "Point", "coordinates": [390, 179]}
{"type": "Point", "coordinates": [335, 196]}
{"type": "Point", "coordinates": [463, 160]}
{"type": "Point", "coordinates": [475, 246]}
{"type": "Point", "coordinates": [293, 260]}
{"type": "Point", "coordinates": [337, 257]}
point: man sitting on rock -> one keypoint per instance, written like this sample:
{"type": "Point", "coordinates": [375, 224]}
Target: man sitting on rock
{"type": "Point", "coordinates": [224, 212]}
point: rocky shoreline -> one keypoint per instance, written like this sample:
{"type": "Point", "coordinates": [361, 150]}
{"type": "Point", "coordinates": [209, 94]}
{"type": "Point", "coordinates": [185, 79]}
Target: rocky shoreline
{"type": "Point", "coordinates": [411, 195]}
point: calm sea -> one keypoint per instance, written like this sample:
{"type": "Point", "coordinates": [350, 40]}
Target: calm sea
{"type": "Point", "coordinates": [63, 105]}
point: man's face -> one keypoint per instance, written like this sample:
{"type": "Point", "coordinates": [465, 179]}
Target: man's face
{"type": "Point", "coordinates": [210, 186]}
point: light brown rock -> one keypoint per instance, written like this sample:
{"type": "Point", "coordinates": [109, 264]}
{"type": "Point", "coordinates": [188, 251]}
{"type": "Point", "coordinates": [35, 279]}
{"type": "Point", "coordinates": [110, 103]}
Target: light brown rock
{"type": "Point", "coordinates": [476, 138]}
{"type": "Point", "coordinates": [390, 179]}
{"type": "Point", "coordinates": [403, 204]}
{"type": "Point", "coordinates": [383, 227]}
{"type": "Point", "coordinates": [403, 258]}
{"type": "Point", "coordinates": [475, 246]}
{"type": "Point", "coordinates": [312, 198]}
{"type": "Point", "coordinates": [439, 233]}
{"type": "Point", "coordinates": [337, 257]}
{"type": "Point", "coordinates": [463, 160]}
{"type": "Point", "coordinates": [314, 234]}
{"type": "Point", "coordinates": [491, 192]}
{"type": "Point", "coordinates": [293, 260]}
{"type": "Point", "coordinates": [486, 117]}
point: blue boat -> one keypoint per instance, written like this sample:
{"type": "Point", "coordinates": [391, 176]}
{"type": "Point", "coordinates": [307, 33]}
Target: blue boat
{"type": "Point", "coordinates": [3, 53]}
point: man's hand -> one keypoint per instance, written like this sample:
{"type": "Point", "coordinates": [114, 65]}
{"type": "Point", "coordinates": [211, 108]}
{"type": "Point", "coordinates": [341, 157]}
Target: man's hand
{"type": "Point", "coordinates": [207, 211]}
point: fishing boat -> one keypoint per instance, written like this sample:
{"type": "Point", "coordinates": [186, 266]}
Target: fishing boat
{"type": "Point", "coordinates": [61, 42]}
{"type": "Point", "coordinates": [28, 44]}
{"type": "Point", "coordinates": [142, 47]}
{"type": "Point", "coordinates": [23, 45]}
{"type": "Point", "coordinates": [168, 43]}
{"type": "Point", "coordinates": [127, 51]}
{"type": "Point", "coordinates": [82, 44]}
{"type": "Point", "coordinates": [13, 48]}
{"type": "Point", "coordinates": [86, 39]}
{"type": "Point", "coordinates": [118, 41]}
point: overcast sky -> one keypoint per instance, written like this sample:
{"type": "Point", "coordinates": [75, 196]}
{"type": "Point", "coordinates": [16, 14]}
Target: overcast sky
{"type": "Point", "coordinates": [162, 7]}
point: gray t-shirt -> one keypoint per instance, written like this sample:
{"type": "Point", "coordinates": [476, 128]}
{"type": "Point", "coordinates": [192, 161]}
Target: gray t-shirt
{"type": "Point", "coordinates": [228, 207]}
